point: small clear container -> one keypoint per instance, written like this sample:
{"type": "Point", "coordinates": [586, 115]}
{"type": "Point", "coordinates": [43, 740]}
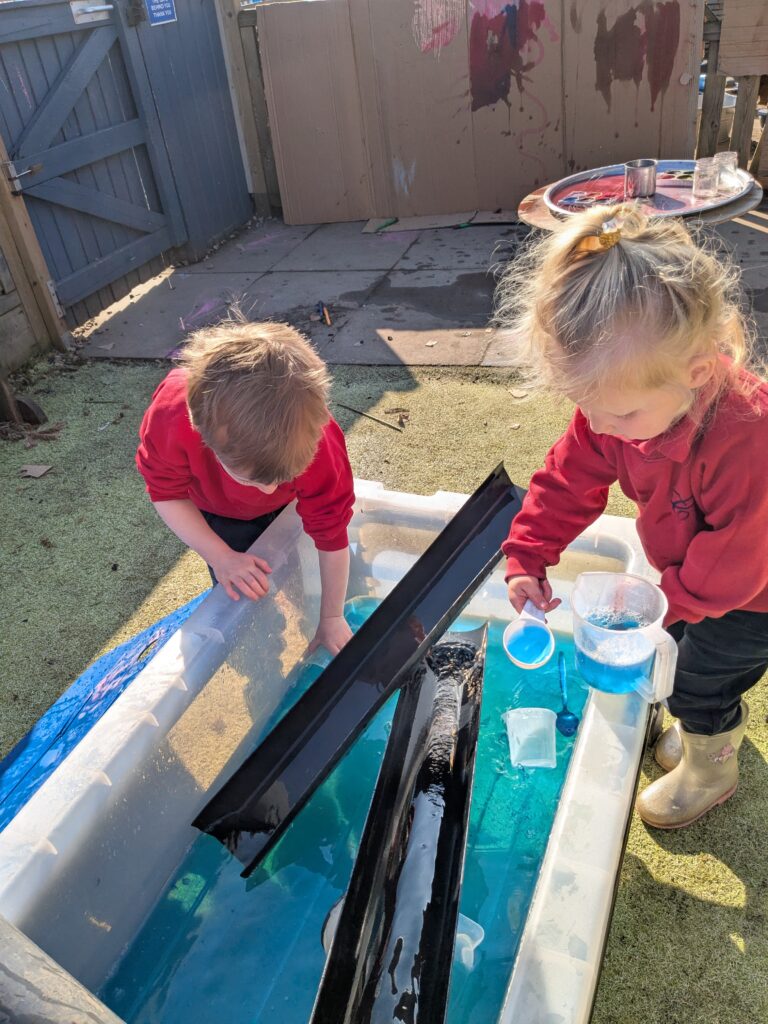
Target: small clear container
{"type": "Point", "coordinates": [706, 175]}
{"type": "Point", "coordinates": [531, 736]}
{"type": "Point", "coordinates": [727, 164]}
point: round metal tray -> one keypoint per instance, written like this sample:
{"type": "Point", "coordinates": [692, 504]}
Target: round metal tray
{"type": "Point", "coordinates": [670, 200]}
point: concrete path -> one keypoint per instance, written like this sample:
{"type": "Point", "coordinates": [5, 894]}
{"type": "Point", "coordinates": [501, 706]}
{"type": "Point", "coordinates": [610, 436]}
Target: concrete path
{"type": "Point", "coordinates": [395, 298]}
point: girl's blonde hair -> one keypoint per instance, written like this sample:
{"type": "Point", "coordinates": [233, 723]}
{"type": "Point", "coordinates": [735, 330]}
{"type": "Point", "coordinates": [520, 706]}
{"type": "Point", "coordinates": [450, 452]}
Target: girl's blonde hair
{"type": "Point", "coordinates": [629, 312]}
{"type": "Point", "coordinates": [257, 393]}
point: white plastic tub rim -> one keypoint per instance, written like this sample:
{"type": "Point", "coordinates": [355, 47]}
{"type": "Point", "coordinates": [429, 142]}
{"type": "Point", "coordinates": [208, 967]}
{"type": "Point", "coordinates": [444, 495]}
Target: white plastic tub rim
{"type": "Point", "coordinates": [74, 858]}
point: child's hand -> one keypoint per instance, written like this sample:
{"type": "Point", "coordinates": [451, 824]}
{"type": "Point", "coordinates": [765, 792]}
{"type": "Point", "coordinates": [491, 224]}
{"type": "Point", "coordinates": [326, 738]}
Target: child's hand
{"type": "Point", "coordinates": [529, 588]}
{"type": "Point", "coordinates": [333, 633]}
{"type": "Point", "coordinates": [244, 573]}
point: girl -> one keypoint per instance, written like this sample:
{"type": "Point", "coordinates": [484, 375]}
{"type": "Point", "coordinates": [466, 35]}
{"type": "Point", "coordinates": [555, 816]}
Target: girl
{"type": "Point", "coordinates": [641, 328]}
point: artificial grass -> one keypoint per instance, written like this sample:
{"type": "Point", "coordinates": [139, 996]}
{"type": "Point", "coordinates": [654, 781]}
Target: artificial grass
{"type": "Point", "coordinates": [90, 565]}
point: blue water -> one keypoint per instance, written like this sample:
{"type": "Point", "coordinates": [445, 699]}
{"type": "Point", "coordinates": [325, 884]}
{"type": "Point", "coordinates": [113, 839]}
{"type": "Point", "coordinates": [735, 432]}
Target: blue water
{"type": "Point", "coordinates": [620, 663]}
{"type": "Point", "coordinates": [529, 643]}
{"type": "Point", "coordinates": [219, 948]}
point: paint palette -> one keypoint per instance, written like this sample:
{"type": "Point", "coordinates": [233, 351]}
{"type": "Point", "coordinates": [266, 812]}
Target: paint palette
{"type": "Point", "coordinates": [673, 198]}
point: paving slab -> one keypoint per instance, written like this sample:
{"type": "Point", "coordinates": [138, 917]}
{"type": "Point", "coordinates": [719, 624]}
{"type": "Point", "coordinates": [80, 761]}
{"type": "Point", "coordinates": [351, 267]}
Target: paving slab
{"type": "Point", "coordinates": [157, 321]}
{"type": "Point", "coordinates": [447, 298]}
{"type": "Point", "coordinates": [162, 312]}
{"type": "Point", "coordinates": [425, 317]}
{"type": "Point", "coordinates": [257, 249]}
{"type": "Point", "coordinates": [501, 350]}
{"type": "Point", "coordinates": [282, 294]}
{"type": "Point", "coordinates": [345, 247]}
{"type": "Point", "coordinates": [390, 346]}
{"type": "Point", "coordinates": [471, 248]}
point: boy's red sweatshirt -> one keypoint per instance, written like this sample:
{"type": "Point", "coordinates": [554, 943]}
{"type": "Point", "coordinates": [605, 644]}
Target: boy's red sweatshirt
{"type": "Point", "coordinates": [176, 464]}
{"type": "Point", "coordinates": [702, 496]}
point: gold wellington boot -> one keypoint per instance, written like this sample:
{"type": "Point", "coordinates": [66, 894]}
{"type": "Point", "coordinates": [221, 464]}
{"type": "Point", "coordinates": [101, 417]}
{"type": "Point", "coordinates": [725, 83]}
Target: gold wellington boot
{"type": "Point", "coordinates": [706, 776]}
{"type": "Point", "coordinates": [669, 747]}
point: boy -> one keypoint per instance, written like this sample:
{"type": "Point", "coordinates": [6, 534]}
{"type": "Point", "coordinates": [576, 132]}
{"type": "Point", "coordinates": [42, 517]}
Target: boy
{"type": "Point", "coordinates": [235, 434]}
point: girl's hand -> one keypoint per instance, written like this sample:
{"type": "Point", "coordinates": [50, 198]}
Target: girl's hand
{"type": "Point", "coordinates": [529, 588]}
{"type": "Point", "coordinates": [333, 633]}
{"type": "Point", "coordinates": [242, 574]}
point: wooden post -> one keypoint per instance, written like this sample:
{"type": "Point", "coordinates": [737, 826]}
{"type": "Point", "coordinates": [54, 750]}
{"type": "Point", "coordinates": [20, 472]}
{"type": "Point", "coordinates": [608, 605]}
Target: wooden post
{"type": "Point", "coordinates": [227, 13]}
{"type": "Point", "coordinates": [744, 117]}
{"type": "Point", "coordinates": [27, 265]}
{"type": "Point", "coordinates": [711, 104]}
{"type": "Point", "coordinates": [248, 26]}
{"type": "Point", "coordinates": [759, 166]}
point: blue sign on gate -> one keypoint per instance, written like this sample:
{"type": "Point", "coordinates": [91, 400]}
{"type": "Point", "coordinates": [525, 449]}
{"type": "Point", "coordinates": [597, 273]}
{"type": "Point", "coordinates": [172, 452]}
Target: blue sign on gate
{"type": "Point", "coordinates": [161, 11]}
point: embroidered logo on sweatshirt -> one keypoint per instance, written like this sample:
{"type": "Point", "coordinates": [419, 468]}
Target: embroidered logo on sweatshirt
{"type": "Point", "coordinates": [682, 507]}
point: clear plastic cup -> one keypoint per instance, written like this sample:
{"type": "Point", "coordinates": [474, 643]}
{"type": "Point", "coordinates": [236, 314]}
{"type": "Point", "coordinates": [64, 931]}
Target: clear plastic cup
{"type": "Point", "coordinates": [531, 737]}
{"type": "Point", "coordinates": [469, 935]}
{"type": "Point", "coordinates": [528, 640]}
{"type": "Point", "coordinates": [621, 645]}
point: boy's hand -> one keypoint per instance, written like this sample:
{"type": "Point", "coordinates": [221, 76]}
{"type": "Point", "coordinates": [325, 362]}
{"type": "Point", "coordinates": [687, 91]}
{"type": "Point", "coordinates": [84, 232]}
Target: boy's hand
{"type": "Point", "coordinates": [333, 633]}
{"type": "Point", "coordinates": [529, 588]}
{"type": "Point", "coordinates": [244, 573]}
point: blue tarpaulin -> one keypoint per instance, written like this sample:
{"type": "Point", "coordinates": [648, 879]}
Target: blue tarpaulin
{"type": "Point", "coordinates": [65, 723]}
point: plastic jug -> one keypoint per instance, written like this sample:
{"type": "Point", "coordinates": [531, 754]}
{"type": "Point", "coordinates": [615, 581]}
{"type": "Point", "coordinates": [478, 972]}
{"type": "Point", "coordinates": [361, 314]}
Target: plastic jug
{"type": "Point", "coordinates": [621, 645]}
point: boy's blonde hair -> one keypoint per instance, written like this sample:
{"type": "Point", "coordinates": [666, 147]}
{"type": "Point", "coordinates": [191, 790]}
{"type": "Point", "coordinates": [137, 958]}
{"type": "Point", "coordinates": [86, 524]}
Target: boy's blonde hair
{"type": "Point", "coordinates": [628, 314]}
{"type": "Point", "coordinates": [257, 393]}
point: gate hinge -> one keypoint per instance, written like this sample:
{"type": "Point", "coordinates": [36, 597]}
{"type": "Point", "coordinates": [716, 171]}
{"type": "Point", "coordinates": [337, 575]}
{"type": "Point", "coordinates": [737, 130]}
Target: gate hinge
{"type": "Point", "coordinates": [55, 297]}
{"type": "Point", "coordinates": [14, 177]}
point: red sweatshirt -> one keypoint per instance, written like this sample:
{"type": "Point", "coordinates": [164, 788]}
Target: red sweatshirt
{"type": "Point", "coordinates": [702, 496]}
{"type": "Point", "coordinates": [176, 464]}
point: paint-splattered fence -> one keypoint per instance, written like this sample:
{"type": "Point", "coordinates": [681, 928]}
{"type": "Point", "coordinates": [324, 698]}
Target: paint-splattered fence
{"type": "Point", "coordinates": [407, 107]}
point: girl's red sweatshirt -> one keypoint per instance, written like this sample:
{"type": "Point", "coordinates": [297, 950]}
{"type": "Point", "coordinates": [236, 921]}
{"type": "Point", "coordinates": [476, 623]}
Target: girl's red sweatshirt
{"type": "Point", "coordinates": [702, 497]}
{"type": "Point", "coordinates": [176, 464]}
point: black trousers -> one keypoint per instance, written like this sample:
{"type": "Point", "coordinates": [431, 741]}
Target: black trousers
{"type": "Point", "coordinates": [717, 661]}
{"type": "Point", "coordinates": [238, 533]}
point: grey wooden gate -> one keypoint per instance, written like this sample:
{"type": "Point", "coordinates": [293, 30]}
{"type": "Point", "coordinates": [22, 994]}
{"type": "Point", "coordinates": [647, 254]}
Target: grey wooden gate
{"type": "Point", "coordinates": [94, 143]}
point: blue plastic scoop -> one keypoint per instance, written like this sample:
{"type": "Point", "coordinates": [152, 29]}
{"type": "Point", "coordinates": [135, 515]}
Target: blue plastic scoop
{"type": "Point", "coordinates": [566, 722]}
{"type": "Point", "coordinates": [528, 640]}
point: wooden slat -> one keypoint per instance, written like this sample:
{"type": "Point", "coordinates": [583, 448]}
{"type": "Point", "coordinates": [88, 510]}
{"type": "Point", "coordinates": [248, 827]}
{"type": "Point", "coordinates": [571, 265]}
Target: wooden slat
{"type": "Point", "coordinates": [317, 38]}
{"type": "Point", "coordinates": [6, 280]}
{"type": "Point", "coordinates": [101, 273]}
{"type": "Point", "coordinates": [65, 91]}
{"type": "Point", "coordinates": [711, 104]}
{"type": "Point", "coordinates": [743, 40]}
{"type": "Point", "coordinates": [155, 143]}
{"type": "Point", "coordinates": [248, 38]}
{"type": "Point", "coordinates": [21, 248]}
{"type": "Point", "coordinates": [8, 302]}
{"type": "Point", "coordinates": [78, 152]}
{"type": "Point", "coordinates": [759, 159]}
{"type": "Point", "coordinates": [17, 27]}
{"type": "Point", "coordinates": [744, 116]}
{"type": "Point", "coordinates": [98, 204]}
{"type": "Point", "coordinates": [237, 74]}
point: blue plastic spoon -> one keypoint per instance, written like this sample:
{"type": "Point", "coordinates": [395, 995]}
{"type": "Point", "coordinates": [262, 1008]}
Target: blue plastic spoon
{"type": "Point", "coordinates": [566, 722]}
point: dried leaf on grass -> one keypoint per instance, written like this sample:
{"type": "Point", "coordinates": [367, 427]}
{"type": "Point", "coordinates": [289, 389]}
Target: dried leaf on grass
{"type": "Point", "coordinates": [35, 471]}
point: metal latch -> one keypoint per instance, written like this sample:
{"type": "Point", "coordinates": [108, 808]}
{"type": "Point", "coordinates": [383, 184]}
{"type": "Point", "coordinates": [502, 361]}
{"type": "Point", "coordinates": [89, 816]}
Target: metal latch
{"type": "Point", "coordinates": [54, 295]}
{"type": "Point", "coordinates": [84, 11]}
{"type": "Point", "coordinates": [14, 176]}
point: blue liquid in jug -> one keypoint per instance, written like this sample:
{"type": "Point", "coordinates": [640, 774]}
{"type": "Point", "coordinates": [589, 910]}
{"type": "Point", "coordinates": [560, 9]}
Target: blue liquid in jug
{"type": "Point", "coordinates": [620, 664]}
{"type": "Point", "coordinates": [530, 644]}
